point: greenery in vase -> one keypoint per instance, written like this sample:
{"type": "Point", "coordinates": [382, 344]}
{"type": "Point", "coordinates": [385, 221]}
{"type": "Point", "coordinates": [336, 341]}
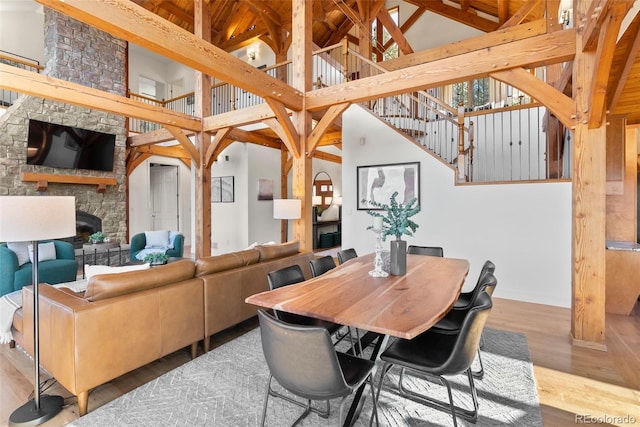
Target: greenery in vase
{"type": "Point", "coordinates": [97, 237]}
{"type": "Point", "coordinates": [156, 258]}
{"type": "Point", "coordinates": [395, 220]}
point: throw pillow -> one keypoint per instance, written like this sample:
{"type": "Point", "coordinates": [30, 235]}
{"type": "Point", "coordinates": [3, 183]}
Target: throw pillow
{"type": "Point", "coordinates": [21, 249]}
{"type": "Point", "coordinates": [46, 251]}
{"type": "Point", "coordinates": [93, 270]}
{"type": "Point", "coordinates": [156, 239]}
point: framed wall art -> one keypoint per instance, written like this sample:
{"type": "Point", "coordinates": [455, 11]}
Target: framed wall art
{"type": "Point", "coordinates": [222, 189]}
{"type": "Point", "coordinates": [378, 182]}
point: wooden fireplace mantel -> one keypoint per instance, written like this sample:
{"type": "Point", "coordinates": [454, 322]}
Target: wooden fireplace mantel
{"type": "Point", "coordinates": [42, 180]}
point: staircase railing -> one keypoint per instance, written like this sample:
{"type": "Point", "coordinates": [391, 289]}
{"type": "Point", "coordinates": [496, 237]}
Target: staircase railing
{"type": "Point", "coordinates": [7, 97]}
{"type": "Point", "coordinates": [493, 143]}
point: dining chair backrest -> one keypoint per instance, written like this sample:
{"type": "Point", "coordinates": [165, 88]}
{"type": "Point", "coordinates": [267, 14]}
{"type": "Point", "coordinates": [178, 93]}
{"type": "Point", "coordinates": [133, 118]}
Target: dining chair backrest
{"type": "Point", "coordinates": [346, 254]}
{"type": "Point", "coordinates": [285, 276]}
{"type": "Point", "coordinates": [425, 250]}
{"type": "Point", "coordinates": [468, 338]}
{"type": "Point", "coordinates": [302, 359]}
{"type": "Point", "coordinates": [321, 265]}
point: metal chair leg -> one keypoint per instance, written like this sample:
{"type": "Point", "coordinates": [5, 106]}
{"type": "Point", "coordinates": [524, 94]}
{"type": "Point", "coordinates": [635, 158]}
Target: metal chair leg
{"type": "Point", "coordinates": [307, 406]}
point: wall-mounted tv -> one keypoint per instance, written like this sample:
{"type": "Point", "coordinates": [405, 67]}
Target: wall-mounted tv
{"type": "Point", "coordinates": [60, 146]}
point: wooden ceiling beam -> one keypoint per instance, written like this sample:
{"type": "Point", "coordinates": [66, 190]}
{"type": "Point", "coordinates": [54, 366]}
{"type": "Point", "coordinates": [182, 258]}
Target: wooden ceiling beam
{"type": "Point", "coordinates": [31, 83]}
{"type": "Point", "coordinates": [323, 125]}
{"type": "Point", "coordinates": [395, 32]}
{"type": "Point", "coordinates": [185, 142]}
{"type": "Point", "coordinates": [558, 103]}
{"type": "Point", "coordinates": [407, 24]}
{"type": "Point", "coordinates": [255, 138]}
{"type": "Point", "coordinates": [485, 41]}
{"type": "Point", "coordinates": [154, 137]}
{"type": "Point", "coordinates": [534, 51]}
{"type": "Point", "coordinates": [283, 127]}
{"type": "Point", "coordinates": [630, 52]}
{"type": "Point", "coordinates": [604, 58]}
{"type": "Point", "coordinates": [218, 138]}
{"type": "Point", "coordinates": [175, 152]}
{"type": "Point", "coordinates": [321, 155]}
{"type": "Point", "coordinates": [121, 18]}
{"type": "Point", "coordinates": [596, 14]}
{"type": "Point", "coordinates": [245, 116]}
{"type": "Point", "coordinates": [468, 17]}
{"type": "Point", "coordinates": [522, 13]}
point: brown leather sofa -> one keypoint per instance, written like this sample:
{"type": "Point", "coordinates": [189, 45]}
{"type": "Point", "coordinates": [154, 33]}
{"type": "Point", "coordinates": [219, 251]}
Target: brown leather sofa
{"type": "Point", "coordinates": [122, 322]}
{"type": "Point", "coordinates": [126, 320]}
{"type": "Point", "coordinates": [230, 278]}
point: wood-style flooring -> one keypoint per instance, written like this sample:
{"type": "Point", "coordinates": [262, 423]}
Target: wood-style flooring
{"type": "Point", "coordinates": [572, 382]}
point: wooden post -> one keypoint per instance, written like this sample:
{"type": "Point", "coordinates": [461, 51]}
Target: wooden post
{"type": "Point", "coordinates": [301, 57]}
{"type": "Point", "coordinates": [202, 104]}
{"type": "Point", "coordinates": [588, 246]}
{"type": "Point", "coordinates": [284, 189]}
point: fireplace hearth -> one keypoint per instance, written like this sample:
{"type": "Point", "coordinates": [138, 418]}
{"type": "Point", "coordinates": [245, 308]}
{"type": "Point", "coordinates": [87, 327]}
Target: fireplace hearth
{"type": "Point", "coordinates": [86, 225]}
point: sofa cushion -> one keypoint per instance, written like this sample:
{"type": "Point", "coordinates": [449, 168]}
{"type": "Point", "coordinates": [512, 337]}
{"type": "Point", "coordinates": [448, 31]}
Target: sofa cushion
{"type": "Point", "coordinates": [92, 270]}
{"type": "Point", "coordinates": [103, 286]}
{"type": "Point", "coordinates": [269, 252]}
{"type": "Point", "coordinates": [217, 263]}
{"type": "Point", "coordinates": [21, 249]}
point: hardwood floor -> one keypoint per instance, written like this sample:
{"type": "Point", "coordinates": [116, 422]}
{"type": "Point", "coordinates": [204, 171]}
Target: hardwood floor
{"type": "Point", "coordinates": [572, 381]}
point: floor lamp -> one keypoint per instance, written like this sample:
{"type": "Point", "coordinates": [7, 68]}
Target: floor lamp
{"type": "Point", "coordinates": [35, 218]}
{"type": "Point", "coordinates": [287, 209]}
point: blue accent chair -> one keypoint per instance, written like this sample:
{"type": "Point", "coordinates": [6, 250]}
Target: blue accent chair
{"type": "Point", "coordinates": [139, 241]}
{"type": "Point", "coordinates": [60, 270]}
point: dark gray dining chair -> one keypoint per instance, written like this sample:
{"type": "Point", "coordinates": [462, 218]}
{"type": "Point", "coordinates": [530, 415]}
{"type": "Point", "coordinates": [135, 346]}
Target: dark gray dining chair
{"type": "Point", "coordinates": [452, 321]}
{"type": "Point", "coordinates": [438, 355]}
{"type": "Point", "coordinates": [321, 265]}
{"type": "Point", "coordinates": [303, 361]}
{"type": "Point", "coordinates": [289, 276]}
{"type": "Point", "coordinates": [425, 250]}
{"type": "Point", "coordinates": [346, 254]}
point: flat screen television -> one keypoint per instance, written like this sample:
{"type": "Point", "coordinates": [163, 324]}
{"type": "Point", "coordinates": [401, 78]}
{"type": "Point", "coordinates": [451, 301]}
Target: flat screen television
{"type": "Point", "coordinates": [60, 146]}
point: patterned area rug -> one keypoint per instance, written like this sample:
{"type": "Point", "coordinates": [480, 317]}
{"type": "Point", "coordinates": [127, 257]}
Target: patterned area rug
{"type": "Point", "coordinates": [226, 386]}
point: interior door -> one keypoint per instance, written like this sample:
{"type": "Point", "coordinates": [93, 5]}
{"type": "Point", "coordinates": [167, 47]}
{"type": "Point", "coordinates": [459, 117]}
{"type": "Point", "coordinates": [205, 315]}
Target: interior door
{"type": "Point", "coordinates": [164, 197]}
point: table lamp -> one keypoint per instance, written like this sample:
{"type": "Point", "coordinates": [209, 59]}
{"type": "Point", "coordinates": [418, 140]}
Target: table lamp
{"type": "Point", "coordinates": [287, 209]}
{"type": "Point", "coordinates": [35, 218]}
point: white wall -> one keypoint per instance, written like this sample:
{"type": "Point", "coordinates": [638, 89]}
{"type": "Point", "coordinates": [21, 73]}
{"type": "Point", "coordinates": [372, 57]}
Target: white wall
{"type": "Point", "coordinates": [525, 229]}
{"type": "Point", "coordinates": [22, 29]}
{"type": "Point", "coordinates": [140, 198]}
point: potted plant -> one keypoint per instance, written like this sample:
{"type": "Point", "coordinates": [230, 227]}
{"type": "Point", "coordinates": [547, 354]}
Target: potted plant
{"type": "Point", "coordinates": [396, 222]}
{"type": "Point", "coordinates": [97, 237]}
{"type": "Point", "coordinates": [156, 258]}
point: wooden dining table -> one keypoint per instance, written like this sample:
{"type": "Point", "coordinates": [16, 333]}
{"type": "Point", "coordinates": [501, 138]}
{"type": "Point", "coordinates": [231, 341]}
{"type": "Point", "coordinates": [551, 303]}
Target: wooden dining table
{"type": "Point", "coordinates": [400, 306]}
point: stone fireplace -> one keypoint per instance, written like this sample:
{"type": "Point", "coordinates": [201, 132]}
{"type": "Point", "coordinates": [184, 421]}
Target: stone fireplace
{"type": "Point", "coordinates": [80, 54]}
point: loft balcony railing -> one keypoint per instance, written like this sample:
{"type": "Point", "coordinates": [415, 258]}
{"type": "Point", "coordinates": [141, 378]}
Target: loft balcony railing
{"type": "Point", "coordinates": [7, 97]}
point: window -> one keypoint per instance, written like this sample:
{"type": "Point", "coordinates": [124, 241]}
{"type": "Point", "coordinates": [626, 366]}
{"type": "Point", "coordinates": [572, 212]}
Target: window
{"type": "Point", "coordinates": [379, 41]}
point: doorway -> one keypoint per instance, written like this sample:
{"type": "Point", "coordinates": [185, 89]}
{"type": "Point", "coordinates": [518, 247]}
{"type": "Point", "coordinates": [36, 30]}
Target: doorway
{"type": "Point", "coordinates": [164, 180]}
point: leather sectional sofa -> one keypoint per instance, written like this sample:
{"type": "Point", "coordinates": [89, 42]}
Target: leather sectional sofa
{"type": "Point", "coordinates": [126, 320]}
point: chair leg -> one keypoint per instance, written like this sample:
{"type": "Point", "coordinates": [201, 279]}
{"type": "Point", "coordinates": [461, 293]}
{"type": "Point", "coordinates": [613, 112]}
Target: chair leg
{"type": "Point", "coordinates": [373, 400]}
{"type": "Point", "coordinates": [307, 406]}
{"type": "Point", "coordinates": [479, 374]}
{"type": "Point", "coordinates": [467, 414]}
{"type": "Point", "coordinates": [385, 368]}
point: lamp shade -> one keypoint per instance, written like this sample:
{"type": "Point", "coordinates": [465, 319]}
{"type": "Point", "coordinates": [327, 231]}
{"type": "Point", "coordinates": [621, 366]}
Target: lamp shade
{"type": "Point", "coordinates": [316, 200]}
{"type": "Point", "coordinates": [31, 218]}
{"type": "Point", "coordinates": [337, 201]}
{"type": "Point", "coordinates": [287, 208]}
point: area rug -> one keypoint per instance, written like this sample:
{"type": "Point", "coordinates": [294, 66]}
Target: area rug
{"type": "Point", "coordinates": [226, 386]}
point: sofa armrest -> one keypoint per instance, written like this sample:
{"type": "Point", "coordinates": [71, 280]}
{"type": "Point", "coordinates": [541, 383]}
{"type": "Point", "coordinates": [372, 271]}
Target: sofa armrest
{"type": "Point", "coordinates": [178, 247]}
{"type": "Point", "coordinates": [64, 250]}
{"type": "Point", "coordinates": [138, 242]}
{"type": "Point", "coordinates": [8, 267]}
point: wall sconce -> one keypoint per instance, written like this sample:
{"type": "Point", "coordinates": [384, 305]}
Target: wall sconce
{"type": "Point", "coordinates": [251, 53]}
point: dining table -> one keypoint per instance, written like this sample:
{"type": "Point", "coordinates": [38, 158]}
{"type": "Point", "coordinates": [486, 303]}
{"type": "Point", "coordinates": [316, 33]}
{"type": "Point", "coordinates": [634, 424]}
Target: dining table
{"type": "Point", "coordinates": [398, 306]}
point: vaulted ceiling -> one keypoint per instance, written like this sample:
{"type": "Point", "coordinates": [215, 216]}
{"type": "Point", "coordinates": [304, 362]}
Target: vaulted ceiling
{"type": "Point", "coordinates": [238, 23]}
